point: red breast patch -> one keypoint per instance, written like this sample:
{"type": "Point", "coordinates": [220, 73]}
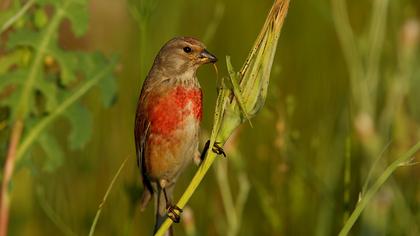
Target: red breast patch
{"type": "Point", "coordinates": [167, 112]}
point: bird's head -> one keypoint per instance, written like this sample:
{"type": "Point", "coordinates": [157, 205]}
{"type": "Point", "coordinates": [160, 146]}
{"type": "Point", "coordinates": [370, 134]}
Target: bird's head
{"type": "Point", "coordinates": [182, 55]}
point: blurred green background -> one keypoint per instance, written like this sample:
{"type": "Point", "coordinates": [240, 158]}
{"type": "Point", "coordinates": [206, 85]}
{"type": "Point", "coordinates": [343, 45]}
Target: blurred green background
{"type": "Point", "coordinates": [298, 171]}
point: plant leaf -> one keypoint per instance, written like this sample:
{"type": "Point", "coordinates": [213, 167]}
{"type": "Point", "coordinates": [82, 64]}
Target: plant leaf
{"type": "Point", "coordinates": [77, 13]}
{"type": "Point", "coordinates": [48, 90]}
{"type": "Point", "coordinates": [11, 81]}
{"type": "Point", "coordinates": [81, 126]}
{"type": "Point", "coordinates": [68, 63]}
{"type": "Point", "coordinates": [53, 152]}
{"type": "Point", "coordinates": [24, 37]}
{"type": "Point", "coordinates": [108, 88]}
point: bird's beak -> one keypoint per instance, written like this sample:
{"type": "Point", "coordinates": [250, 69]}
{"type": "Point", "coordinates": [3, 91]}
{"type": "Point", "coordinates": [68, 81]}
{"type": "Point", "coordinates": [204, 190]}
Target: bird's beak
{"type": "Point", "coordinates": [207, 57]}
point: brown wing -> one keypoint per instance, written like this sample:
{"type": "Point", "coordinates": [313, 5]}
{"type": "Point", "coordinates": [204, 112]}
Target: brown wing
{"type": "Point", "coordinates": [141, 132]}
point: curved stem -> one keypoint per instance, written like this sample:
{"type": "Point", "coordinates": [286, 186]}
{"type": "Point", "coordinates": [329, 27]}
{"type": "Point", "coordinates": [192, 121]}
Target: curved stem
{"type": "Point", "coordinates": [108, 190]}
{"type": "Point", "coordinates": [375, 187]}
{"type": "Point", "coordinates": [350, 50]}
{"type": "Point", "coordinates": [18, 15]}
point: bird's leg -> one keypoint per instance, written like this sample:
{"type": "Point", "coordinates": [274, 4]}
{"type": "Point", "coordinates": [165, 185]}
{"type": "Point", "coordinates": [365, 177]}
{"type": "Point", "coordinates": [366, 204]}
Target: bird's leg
{"type": "Point", "coordinates": [216, 149]}
{"type": "Point", "coordinates": [174, 212]}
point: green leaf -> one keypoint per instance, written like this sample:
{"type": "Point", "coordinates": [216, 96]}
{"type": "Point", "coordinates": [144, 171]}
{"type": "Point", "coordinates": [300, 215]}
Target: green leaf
{"type": "Point", "coordinates": [81, 126]}
{"type": "Point", "coordinates": [55, 155]}
{"type": "Point", "coordinates": [77, 13]}
{"type": "Point", "coordinates": [48, 90]}
{"type": "Point", "coordinates": [24, 37]}
{"type": "Point", "coordinates": [68, 63]}
{"type": "Point", "coordinates": [12, 81]}
{"type": "Point", "coordinates": [108, 88]}
{"type": "Point", "coordinates": [16, 77]}
{"type": "Point", "coordinates": [55, 3]}
{"type": "Point", "coordinates": [40, 18]}
{"type": "Point", "coordinates": [236, 89]}
{"type": "Point", "coordinates": [16, 57]}
{"type": "Point", "coordinates": [92, 63]}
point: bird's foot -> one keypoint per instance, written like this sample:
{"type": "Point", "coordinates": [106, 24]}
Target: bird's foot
{"type": "Point", "coordinates": [174, 213]}
{"type": "Point", "coordinates": [218, 149]}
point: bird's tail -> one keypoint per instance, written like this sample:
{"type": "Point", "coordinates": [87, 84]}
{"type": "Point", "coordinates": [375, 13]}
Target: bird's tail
{"type": "Point", "coordinates": [161, 214]}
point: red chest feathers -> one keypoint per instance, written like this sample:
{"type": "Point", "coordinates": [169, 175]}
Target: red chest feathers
{"type": "Point", "coordinates": [168, 112]}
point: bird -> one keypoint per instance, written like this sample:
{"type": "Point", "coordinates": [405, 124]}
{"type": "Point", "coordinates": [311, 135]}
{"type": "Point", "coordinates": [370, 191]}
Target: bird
{"type": "Point", "coordinates": [167, 122]}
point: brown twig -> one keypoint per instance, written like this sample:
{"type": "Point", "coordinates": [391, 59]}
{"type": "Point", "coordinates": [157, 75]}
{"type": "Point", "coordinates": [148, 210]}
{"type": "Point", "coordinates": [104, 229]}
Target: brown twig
{"type": "Point", "coordinates": [8, 172]}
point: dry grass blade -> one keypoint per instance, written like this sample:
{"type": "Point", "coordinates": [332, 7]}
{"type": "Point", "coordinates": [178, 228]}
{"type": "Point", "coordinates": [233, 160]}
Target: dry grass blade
{"type": "Point", "coordinates": [108, 190]}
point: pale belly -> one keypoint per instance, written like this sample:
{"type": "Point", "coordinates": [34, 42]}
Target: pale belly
{"type": "Point", "coordinates": [168, 155]}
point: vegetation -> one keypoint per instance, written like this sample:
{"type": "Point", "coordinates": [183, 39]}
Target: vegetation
{"type": "Point", "coordinates": [333, 151]}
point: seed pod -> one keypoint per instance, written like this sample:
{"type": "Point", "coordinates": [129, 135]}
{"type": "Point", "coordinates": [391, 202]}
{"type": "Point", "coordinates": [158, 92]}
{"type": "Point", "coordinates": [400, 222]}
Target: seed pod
{"type": "Point", "coordinates": [255, 73]}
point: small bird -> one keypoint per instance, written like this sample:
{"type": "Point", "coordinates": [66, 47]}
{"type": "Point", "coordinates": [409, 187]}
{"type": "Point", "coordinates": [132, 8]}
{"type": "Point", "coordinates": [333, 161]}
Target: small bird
{"type": "Point", "coordinates": [167, 122]}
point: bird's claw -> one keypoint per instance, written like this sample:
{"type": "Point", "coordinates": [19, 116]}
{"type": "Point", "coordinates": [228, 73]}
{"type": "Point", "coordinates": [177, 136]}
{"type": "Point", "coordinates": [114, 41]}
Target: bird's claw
{"type": "Point", "coordinates": [218, 149]}
{"type": "Point", "coordinates": [174, 213]}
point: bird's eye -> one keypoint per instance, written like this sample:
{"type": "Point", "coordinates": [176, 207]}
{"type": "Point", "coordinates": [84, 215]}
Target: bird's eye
{"type": "Point", "coordinates": [187, 49]}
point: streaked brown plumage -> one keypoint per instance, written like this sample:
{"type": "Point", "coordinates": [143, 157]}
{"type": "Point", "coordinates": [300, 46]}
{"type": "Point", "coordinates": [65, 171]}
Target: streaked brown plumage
{"type": "Point", "coordinates": [168, 119]}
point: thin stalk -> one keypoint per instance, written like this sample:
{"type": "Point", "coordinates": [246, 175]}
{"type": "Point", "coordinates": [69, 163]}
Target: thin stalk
{"type": "Point", "coordinates": [347, 177]}
{"type": "Point", "coordinates": [17, 16]}
{"type": "Point", "coordinates": [36, 65]}
{"type": "Point", "coordinates": [54, 217]}
{"type": "Point", "coordinates": [374, 166]}
{"type": "Point", "coordinates": [219, 11]}
{"type": "Point", "coordinates": [375, 187]}
{"type": "Point", "coordinates": [227, 199]}
{"type": "Point", "coordinates": [242, 197]}
{"type": "Point", "coordinates": [108, 191]}
{"type": "Point", "coordinates": [18, 126]}
{"type": "Point", "coordinates": [351, 52]}
{"type": "Point", "coordinates": [7, 176]}
{"type": "Point", "coordinates": [377, 36]}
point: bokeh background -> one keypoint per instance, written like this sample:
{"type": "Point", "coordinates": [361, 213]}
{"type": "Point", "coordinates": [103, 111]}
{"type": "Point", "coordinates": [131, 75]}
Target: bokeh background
{"type": "Point", "coordinates": [298, 171]}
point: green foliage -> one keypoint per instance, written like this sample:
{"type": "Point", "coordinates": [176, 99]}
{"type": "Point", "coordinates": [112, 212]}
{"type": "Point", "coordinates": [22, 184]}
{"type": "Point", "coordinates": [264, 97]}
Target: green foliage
{"type": "Point", "coordinates": [38, 75]}
{"type": "Point", "coordinates": [52, 150]}
{"type": "Point", "coordinates": [81, 123]}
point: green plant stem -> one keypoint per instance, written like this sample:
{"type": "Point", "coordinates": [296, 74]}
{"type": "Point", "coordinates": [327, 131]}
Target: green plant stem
{"type": "Point", "coordinates": [233, 206]}
{"type": "Point", "coordinates": [375, 187]}
{"type": "Point", "coordinates": [34, 133]}
{"type": "Point", "coordinates": [49, 211]}
{"type": "Point", "coordinates": [347, 176]}
{"type": "Point", "coordinates": [17, 16]}
{"type": "Point", "coordinates": [219, 10]}
{"type": "Point", "coordinates": [377, 36]}
{"type": "Point", "coordinates": [108, 191]}
{"type": "Point", "coordinates": [227, 199]}
{"type": "Point", "coordinates": [351, 53]}
{"type": "Point", "coordinates": [18, 125]}
{"type": "Point", "coordinates": [36, 65]}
